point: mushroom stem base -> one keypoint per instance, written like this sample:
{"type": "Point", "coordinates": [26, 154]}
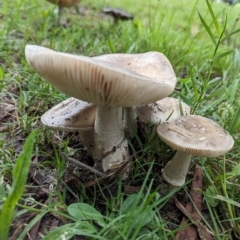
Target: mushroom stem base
{"type": "Point", "coordinates": [87, 138]}
{"type": "Point", "coordinates": [110, 146]}
{"type": "Point", "coordinates": [129, 122]}
{"type": "Point", "coordinates": [176, 170]}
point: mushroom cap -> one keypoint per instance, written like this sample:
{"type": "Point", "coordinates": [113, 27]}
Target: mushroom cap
{"type": "Point", "coordinates": [118, 13]}
{"type": "Point", "coordinates": [70, 115]}
{"type": "Point", "coordinates": [196, 135]}
{"type": "Point", "coordinates": [123, 80]}
{"type": "Point", "coordinates": [65, 3]}
{"type": "Point", "coordinates": [166, 109]}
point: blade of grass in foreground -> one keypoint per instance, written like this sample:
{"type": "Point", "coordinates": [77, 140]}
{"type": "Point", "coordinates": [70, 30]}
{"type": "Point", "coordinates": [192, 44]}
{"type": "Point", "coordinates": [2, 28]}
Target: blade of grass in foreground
{"type": "Point", "coordinates": [19, 176]}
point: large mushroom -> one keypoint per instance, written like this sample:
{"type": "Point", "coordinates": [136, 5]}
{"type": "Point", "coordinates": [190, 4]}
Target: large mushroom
{"type": "Point", "coordinates": [111, 82]}
{"type": "Point", "coordinates": [73, 115]}
{"type": "Point", "coordinates": [191, 135]}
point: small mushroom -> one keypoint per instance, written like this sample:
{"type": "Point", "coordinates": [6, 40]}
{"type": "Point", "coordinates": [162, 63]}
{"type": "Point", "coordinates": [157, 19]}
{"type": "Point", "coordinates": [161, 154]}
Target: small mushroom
{"type": "Point", "coordinates": [118, 13]}
{"type": "Point", "coordinates": [191, 135]}
{"type": "Point", "coordinates": [166, 109]}
{"type": "Point", "coordinates": [111, 82]}
{"type": "Point", "coordinates": [65, 3]}
{"type": "Point", "coordinates": [73, 115]}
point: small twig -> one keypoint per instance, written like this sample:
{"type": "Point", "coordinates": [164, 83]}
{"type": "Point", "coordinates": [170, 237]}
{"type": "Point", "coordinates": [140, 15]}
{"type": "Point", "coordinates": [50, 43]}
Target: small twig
{"type": "Point", "coordinates": [102, 176]}
{"type": "Point", "coordinates": [80, 164]}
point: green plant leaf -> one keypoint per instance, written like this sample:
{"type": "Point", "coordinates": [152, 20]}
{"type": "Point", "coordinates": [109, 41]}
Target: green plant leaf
{"type": "Point", "coordinates": [234, 124]}
{"type": "Point", "coordinates": [84, 211]}
{"type": "Point", "coordinates": [111, 46]}
{"type": "Point", "coordinates": [229, 35]}
{"type": "Point", "coordinates": [147, 234]}
{"type": "Point", "coordinates": [65, 232]}
{"type": "Point", "coordinates": [224, 199]}
{"type": "Point", "coordinates": [207, 29]}
{"type": "Point", "coordinates": [222, 55]}
{"type": "Point", "coordinates": [210, 192]}
{"type": "Point", "coordinates": [214, 18]}
{"type": "Point", "coordinates": [20, 174]}
{"type": "Point", "coordinates": [235, 171]}
{"type": "Point", "coordinates": [128, 203]}
{"type": "Point", "coordinates": [68, 231]}
{"type": "Point", "coordinates": [143, 218]}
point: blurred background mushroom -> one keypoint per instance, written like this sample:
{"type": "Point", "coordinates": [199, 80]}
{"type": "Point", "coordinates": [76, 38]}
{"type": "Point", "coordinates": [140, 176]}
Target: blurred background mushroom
{"type": "Point", "coordinates": [118, 14]}
{"type": "Point", "coordinates": [65, 3]}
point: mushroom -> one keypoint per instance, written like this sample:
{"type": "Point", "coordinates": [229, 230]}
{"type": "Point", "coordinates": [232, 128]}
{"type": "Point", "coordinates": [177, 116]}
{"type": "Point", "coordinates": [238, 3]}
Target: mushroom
{"type": "Point", "coordinates": [166, 109]}
{"type": "Point", "coordinates": [118, 13]}
{"type": "Point", "coordinates": [191, 135]}
{"type": "Point", "coordinates": [73, 115]}
{"type": "Point", "coordinates": [65, 3]}
{"type": "Point", "coordinates": [111, 82]}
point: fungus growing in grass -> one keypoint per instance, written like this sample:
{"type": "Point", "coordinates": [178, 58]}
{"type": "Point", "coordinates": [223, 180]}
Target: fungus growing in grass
{"type": "Point", "coordinates": [191, 135]}
{"type": "Point", "coordinates": [118, 13]}
{"type": "Point", "coordinates": [111, 82]}
{"type": "Point", "coordinates": [73, 115]}
{"type": "Point", "coordinates": [65, 3]}
{"type": "Point", "coordinates": [166, 109]}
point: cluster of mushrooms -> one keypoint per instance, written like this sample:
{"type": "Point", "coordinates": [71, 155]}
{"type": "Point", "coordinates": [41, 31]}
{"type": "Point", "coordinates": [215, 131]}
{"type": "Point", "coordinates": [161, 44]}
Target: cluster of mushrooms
{"type": "Point", "coordinates": [109, 92]}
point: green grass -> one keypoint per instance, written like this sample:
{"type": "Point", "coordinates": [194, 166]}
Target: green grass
{"type": "Point", "coordinates": [205, 56]}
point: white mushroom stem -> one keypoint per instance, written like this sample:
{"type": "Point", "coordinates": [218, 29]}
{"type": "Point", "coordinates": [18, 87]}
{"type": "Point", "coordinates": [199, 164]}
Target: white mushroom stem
{"type": "Point", "coordinates": [110, 145]}
{"type": "Point", "coordinates": [129, 121]}
{"type": "Point", "coordinates": [176, 170]}
{"type": "Point", "coordinates": [87, 138]}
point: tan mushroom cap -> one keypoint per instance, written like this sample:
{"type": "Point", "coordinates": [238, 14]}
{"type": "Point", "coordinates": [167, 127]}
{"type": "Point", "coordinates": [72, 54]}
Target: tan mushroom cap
{"type": "Point", "coordinates": [70, 115]}
{"type": "Point", "coordinates": [196, 135]}
{"type": "Point", "coordinates": [166, 109]}
{"type": "Point", "coordinates": [65, 3]}
{"type": "Point", "coordinates": [122, 80]}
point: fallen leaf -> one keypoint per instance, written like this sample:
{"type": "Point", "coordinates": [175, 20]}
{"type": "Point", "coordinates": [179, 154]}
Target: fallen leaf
{"type": "Point", "coordinates": [190, 232]}
{"type": "Point", "coordinates": [203, 232]}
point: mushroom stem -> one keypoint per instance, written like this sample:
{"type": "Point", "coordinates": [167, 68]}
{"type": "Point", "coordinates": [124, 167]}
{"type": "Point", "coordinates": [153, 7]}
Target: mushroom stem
{"type": "Point", "coordinates": [129, 123]}
{"type": "Point", "coordinates": [110, 146]}
{"type": "Point", "coordinates": [87, 138]}
{"type": "Point", "coordinates": [176, 170]}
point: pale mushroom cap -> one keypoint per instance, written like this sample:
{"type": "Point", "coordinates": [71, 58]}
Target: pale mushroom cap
{"type": "Point", "coordinates": [65, 3]}
{"type": "Point", "coordinates": [196, 135]}
{"type": "Point", "coordinates": [70, 115]}
{"type": "Point", "coordinates": [114, 80]}
{"type": "Point", "coordinates": [166, 109]}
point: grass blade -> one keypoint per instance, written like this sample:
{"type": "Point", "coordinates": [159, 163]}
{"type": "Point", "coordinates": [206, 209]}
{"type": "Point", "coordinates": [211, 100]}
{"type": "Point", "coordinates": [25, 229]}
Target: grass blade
{"type": "Point", "coordinates": [20, 174]}
{"type": "Point", "coordinates": [213, 18]}
{"type": "Point", "coordinates": [223, 55]}
{"type": "Point", "coordinates": [207, 29]}
{"type": "Point", "coordinates": [229, 35]}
